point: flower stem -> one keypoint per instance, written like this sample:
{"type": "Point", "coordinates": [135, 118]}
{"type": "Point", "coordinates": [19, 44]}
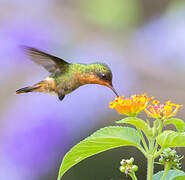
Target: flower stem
{"type": "Point", "coordinates": [150, 159]}
{"type": "Point", "coordinates": [142, 150]}
{"type": "Point", "coordinates": [160, 126]}
{"type": "Point", "coordinates": [133, 176]}
{"type": "Point", "coordinates": [166, 169]}
{"type": "Point", "coordinates": [155, 147]}
{"type": "Point", "coordinates": [158, 153]}
{"type": "Point", "coordinates": [142, 139]}
{"type": "Point", "coordinates": [150, 167]}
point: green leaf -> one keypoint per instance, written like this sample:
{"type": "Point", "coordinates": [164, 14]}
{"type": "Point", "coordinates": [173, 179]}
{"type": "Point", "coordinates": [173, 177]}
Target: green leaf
{"type": "Point", "coordinates": [179, 178]}
{"type": "Point", "coordinates": [139, 123]}
{"type": "Point", "coordinates": [102, 140]}
{"type": "Point", "coordinates": [178, 123]}
{"type": "Point", "coordinates": [171, 175]}
{"type": "Point", "coordinates": [171, 139]}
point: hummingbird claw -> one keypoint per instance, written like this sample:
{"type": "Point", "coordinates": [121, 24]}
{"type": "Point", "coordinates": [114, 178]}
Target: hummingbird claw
{"type": "Point", "coordinates": [61, 97]}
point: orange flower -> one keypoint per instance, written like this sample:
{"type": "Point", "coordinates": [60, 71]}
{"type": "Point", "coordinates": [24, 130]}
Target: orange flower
{"type": "Point", "coordinates": [162, 111]}
{"type": "Point", "coordinates": [130, 106]}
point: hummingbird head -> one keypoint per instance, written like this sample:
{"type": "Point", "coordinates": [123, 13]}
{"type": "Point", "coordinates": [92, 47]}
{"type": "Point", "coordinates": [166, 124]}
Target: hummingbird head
{"type": "Point", "coordinates": [99, 73]}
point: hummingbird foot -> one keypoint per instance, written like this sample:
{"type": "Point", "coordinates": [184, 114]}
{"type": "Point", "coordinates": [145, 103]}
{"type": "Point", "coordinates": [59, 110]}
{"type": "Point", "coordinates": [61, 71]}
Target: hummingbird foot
{"type": "Point", "coordinates": [61, 97]}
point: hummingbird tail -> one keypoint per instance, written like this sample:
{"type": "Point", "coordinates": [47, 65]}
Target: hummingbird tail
{"type": "Point", "coordinates": [47, 86]}
{"type": "Point", "coordinates": [26, 89]}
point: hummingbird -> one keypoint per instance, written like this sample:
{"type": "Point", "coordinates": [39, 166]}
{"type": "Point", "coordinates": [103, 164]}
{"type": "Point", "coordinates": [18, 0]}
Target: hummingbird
{"type": "Point", "coordinates": [65, 77]}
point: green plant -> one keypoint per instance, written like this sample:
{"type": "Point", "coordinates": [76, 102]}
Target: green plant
{"type": "Point", "coordinates": [152, 140]}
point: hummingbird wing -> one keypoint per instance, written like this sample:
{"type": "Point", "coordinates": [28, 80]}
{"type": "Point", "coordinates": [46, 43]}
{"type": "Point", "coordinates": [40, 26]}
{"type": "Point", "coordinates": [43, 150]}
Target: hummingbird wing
{"type": "Point", "coordinates": [51, 63]}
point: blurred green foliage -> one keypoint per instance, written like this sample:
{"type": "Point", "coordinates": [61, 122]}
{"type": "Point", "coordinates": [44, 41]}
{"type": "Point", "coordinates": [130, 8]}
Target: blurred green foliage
{"type": "Point", "coordinates": [112, 13]}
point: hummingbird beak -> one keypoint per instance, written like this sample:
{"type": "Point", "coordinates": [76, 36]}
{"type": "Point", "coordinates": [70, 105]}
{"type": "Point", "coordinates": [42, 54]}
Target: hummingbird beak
{"type": "Point", "coordinates": [112, 88]}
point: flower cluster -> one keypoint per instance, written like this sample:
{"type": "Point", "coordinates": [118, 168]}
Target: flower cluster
{"type": "Point", "coordinates": [170, 157]}
{"type": "Point", "coordinates": [133, 105]}
{"type": "Point", "coordinates": [162, 111]}
{"type": "Point", "coordinates": [127, 166]}
{"type": "Point", "coordinates": [130, 106]}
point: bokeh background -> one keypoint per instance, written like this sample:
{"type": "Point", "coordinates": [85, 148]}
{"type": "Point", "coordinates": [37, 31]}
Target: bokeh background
{"type": "Point", "coordinates": [143, 41]}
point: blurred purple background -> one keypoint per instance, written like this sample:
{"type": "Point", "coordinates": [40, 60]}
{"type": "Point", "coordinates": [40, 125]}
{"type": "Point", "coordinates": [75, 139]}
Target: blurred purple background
{"type": "Point", "coordinates": [142, 41]}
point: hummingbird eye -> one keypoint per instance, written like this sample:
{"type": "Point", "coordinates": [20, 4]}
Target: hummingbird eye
{"type": "Point", "coordinates": [103, 76]}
